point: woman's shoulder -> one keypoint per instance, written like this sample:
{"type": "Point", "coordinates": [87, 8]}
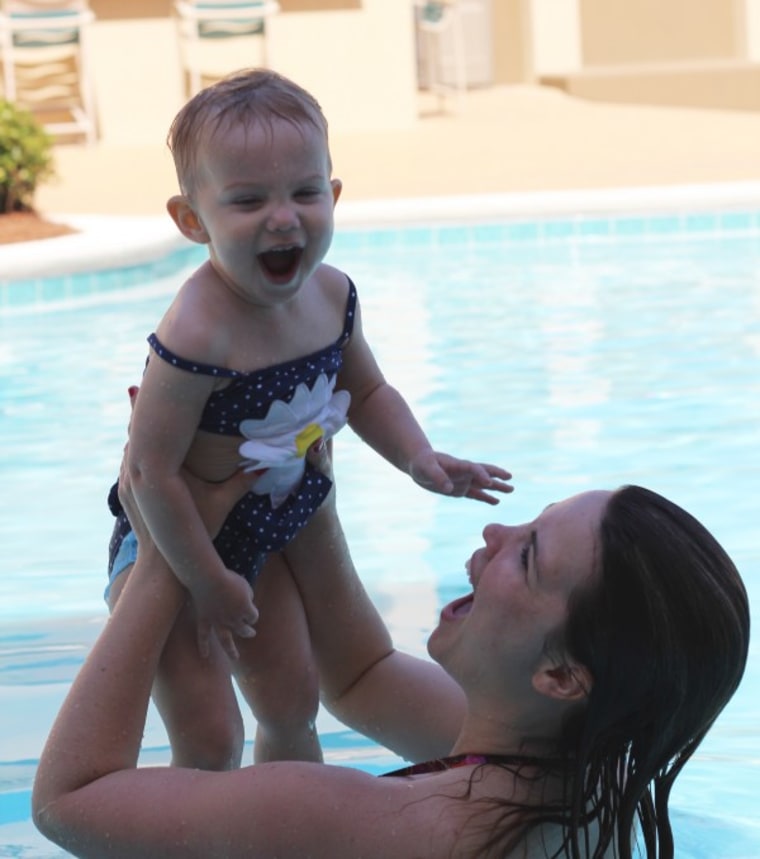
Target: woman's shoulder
{"type": "Point", "coordinates": [342, 812]}
{"type": "Point", "coordinates": [439, 814]}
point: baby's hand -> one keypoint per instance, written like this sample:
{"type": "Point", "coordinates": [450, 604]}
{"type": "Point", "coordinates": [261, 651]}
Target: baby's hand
{"type": "Point", "coordinates": [224, 607]}
{"type": "Point", "coordinates": [439, 472]}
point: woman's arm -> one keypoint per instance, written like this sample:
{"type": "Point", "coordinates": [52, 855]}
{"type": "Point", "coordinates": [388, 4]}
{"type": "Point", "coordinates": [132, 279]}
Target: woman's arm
{"type": "Point", "coordinates": [99, 727]}
{"type": "Point", "coordinates": [90, 797]}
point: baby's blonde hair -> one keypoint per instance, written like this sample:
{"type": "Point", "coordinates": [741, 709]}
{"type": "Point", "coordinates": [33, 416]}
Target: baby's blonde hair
{"type": "Point", "coordinates": [247, 96]}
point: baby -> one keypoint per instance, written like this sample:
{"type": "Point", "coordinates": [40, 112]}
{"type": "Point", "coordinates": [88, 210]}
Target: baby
{"type": "Point", "coordinates": [260, 355]}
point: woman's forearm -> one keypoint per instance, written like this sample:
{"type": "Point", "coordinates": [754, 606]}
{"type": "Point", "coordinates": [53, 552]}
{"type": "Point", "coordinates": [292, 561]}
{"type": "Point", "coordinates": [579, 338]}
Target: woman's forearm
{"type": "Point", "coordinates": [100, 725]}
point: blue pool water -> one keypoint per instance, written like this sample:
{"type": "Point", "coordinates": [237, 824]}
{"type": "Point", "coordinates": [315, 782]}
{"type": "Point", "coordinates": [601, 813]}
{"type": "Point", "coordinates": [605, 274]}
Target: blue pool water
{"type": "Point", "coordinates": [577, 352]}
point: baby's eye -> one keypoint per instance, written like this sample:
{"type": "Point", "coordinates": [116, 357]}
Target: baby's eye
{"type": "Point", "coordinates": [247, 202]}
{"type": "Point", "coordinates": [308, 193]}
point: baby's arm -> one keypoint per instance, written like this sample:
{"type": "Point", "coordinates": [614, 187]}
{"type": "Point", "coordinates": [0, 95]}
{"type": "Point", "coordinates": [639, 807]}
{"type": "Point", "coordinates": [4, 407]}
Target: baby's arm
{"type": "Point", "coordinates": [163, 425]}
{"type": "Point", "coordinates": [383, 418]}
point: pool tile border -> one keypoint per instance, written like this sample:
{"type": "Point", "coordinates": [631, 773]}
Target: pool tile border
{"type": "Point", "coordinates": [15, 294]}
{"type": "Point", "coordinates": [577, 228]}
{"type": "Point", "coordinates": [707, 223]}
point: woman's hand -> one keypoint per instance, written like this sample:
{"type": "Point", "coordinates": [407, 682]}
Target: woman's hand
{"type": "Point", "coordinates": [213, 500]}
{"type": "Point", "coordinates": [319, 455]}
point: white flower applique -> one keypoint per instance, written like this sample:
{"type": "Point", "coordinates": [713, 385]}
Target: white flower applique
{"type": "Point", "coordinates": [279, 441]}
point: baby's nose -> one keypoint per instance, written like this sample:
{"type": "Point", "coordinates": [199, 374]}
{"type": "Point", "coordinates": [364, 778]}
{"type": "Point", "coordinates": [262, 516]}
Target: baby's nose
{"type": "Point", "coordinates": [282, 217]}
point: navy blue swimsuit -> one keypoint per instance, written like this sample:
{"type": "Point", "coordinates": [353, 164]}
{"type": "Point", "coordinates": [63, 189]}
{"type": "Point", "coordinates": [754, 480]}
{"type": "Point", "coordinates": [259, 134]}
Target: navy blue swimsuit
{"type": "Point", "coordinates": [253, 528]}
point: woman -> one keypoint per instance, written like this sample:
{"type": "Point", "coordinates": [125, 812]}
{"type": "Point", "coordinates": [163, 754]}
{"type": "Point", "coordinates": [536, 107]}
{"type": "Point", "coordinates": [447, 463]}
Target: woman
{"type": "Point", "coordinates": [598, 645]}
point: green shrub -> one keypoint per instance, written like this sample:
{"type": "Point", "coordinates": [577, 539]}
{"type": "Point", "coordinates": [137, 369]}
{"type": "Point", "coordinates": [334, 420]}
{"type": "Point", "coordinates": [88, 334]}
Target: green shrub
{"type": "Point", "coordinates": [25, 157]}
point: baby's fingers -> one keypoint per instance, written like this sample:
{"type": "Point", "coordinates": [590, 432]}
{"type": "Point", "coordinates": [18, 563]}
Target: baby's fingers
{"type": "Point", "coordinates": [204, 638]}
{"type": "Point", "coordinates": [478, 494]}
{"type": "Point", "coordinates": [482, 492]}
{"type": "Point", "coordinates": [227, 640]}
{"type": "Point", "coordinates": [498, 486]}
{"type": "Point", "coordinates": [246, 626]}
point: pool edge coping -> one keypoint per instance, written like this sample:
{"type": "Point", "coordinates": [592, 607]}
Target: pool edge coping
{"type": "Point", "coordinates": [112, 241]}
{"type": "Point", "coordinates": [547, 204]}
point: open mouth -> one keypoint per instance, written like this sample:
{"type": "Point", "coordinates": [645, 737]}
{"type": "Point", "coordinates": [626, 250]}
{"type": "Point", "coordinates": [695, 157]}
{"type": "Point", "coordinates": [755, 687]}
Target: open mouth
{"type": "Point", "coordinates": [461, 607]}
{"type": "Point", "coordinates": [281, 263]}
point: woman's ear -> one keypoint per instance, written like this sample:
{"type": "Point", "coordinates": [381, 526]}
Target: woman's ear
{"type": "Point", "coordinates": [567, 682]}
{"type": "Point", "coordinates": [186, 218]}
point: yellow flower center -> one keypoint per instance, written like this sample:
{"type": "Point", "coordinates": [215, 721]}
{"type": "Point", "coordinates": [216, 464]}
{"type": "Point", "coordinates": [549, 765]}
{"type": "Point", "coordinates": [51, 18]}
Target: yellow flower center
{"type": "Point", "coordinates": [306, 438]}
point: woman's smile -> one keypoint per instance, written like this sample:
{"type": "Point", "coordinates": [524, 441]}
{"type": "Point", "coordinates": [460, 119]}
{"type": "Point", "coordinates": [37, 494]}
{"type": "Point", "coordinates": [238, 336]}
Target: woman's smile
{"type": "Point", "coordinates": [458, 608]}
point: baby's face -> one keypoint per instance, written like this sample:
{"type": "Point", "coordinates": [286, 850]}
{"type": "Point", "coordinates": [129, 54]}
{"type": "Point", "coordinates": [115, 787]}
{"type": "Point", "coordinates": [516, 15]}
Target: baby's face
{"type": "Point", "coordinates": [265, 197]}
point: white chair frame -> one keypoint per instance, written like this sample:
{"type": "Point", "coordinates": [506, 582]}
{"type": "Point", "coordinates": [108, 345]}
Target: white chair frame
{"type": "Point", "coordinates": [431, 35]}
{"type": "Point", "coordinates": [191, 17]}
{"type": "Point", "coordinates": [53, 22]}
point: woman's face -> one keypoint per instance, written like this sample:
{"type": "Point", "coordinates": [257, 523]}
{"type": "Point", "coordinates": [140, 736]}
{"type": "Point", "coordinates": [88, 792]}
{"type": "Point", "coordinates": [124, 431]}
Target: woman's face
{"type": "Point", "coordinates": [522, 578]}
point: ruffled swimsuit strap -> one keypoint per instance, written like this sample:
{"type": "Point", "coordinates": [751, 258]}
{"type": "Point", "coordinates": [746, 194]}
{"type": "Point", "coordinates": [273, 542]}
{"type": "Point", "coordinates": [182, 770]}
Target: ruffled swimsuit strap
{"type": "Point", "coordinates": [190, 366]}
{"type": "Point", "coordinates": [348, 321]}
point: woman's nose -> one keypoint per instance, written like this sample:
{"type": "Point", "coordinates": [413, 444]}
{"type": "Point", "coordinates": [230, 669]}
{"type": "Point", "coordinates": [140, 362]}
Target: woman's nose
{"type": "Point", "coordinates": [495, 535]}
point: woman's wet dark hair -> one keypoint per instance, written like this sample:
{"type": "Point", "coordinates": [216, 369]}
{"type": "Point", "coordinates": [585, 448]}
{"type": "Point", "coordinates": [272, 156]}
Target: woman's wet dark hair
{"type": "Point", "coordinates": [663, 627]}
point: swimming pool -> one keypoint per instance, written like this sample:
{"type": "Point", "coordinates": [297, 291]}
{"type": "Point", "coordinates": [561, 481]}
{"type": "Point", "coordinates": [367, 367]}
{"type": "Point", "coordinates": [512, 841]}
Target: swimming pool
{"type": "Point", "coordinates": [578, 352]}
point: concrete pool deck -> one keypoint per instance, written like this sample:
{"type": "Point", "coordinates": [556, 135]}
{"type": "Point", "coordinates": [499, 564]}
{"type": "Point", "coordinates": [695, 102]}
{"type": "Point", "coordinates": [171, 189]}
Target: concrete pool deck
{"type": "Point", "coordinates": [497, 140]}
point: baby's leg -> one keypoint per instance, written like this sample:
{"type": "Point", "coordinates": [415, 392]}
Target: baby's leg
{"type": "Point", "coordinates": [195, 698]}
{"type": "Point", "coordinates": [276, 671]}
{"type": "Point", "coordinates": [407, 704]}
{"type": "Point", "coordinates": [348, 635]}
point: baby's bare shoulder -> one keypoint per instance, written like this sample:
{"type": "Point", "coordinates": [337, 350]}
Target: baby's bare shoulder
{"type": "Point", "coordinates": [333, 283]}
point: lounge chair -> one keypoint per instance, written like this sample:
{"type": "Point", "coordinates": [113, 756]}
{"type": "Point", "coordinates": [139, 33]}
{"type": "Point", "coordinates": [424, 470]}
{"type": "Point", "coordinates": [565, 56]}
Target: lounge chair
{"type": "Point", "coordinates": [441, 49]}
{"type": "Point", "coordinates": [46, 63]}
{"type": "Point", "coordinates": [218, 36]}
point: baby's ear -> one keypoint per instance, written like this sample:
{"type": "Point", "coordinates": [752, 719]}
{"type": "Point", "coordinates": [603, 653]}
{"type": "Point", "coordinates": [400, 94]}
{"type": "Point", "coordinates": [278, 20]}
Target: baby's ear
{"type": "Point", "coordinates": [567, 682]}
{"type": "Point", "coordinates": [337, 187]}
{"type": "Point", "coordinates": [186, 218]}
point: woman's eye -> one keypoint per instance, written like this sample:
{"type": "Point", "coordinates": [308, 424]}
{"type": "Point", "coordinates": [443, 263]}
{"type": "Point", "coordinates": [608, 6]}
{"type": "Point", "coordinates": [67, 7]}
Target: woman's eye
{"type": "Point", "coordinates": [524, 554]}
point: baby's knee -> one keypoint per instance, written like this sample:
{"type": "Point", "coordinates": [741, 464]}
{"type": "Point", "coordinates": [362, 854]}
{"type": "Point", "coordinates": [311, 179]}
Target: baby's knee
{"type": "Point", "coordinates": [284, 703]}
{"type": "Point", "coordinates": [213, 742]}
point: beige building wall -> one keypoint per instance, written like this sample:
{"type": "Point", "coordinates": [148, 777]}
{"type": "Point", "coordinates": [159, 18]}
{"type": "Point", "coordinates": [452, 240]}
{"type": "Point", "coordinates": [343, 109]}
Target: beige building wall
{"type": "Point", "coordinates": [555, 31]}
{"type": "Point", "coordinates": [667, 52]}
{"type": "Point", "coordinates": [359, 63]}
{"type": "Point", "coordinates": [752, 30]}
{"type": "Point", "coordinates": [138, 85]}
{"type": "Point", "coordinates": [647, 31]}
{"type": "Point", "coordinates": [512, 47]}
{"type": "Point", "coordinates": [356, 58]}
{"type": "Point", "coordinates": [534, 38]}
